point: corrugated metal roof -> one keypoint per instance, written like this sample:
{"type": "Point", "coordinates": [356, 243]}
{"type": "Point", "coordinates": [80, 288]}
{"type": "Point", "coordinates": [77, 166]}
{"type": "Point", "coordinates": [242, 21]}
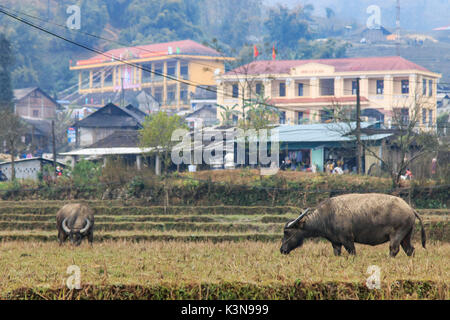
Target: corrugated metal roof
{"type": "Point", "coordinates": [105, 151]}
{"type": "Point", "coordinates": [320, 132]}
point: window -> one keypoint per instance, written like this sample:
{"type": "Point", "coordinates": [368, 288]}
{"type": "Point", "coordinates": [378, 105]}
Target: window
{"type": "Point", "coordinates": [282, 117]}
{"type": "Point", "coordinates": [85, 79]}
{"type": "Point", "coordinates": [299, 117]}
{"type": "Point", "coordinates": [282, 92]}
{"type": "Point", "coordinates": [430, 88]}
{"type": "Point", "coordinates": [259, 89]}
{"type": "Point", "coordinates": [171, 90]}
{"type": "Point", "coordinates": [146, 73]}
{"type": "Point", "coordinates": [35, 113]}
{"type": "Point", "coordinates": [171, 69]}
{"type": "Point", "coordinates": [424, 87]}
{"type": "Point", "coordinates": [158, 72]}
{"type": "Point", "coordinates": [158, 95]}
{"type": "Point", "coordinates": [326, 115]}
{"type": "Point", "coordinates": [235, 89]}
{"type": "Point", "coordinates": [108, 81]}
{"type": "Point", "coordinates": [404, 116]}
{"type": "Point", "coordinates": [354, 87]}
{"type": "Point", "coordinates": [405, 86]}
{"type": "Point", "coordinates": [424, 116]}
{"type": "Point", "coordinates": [380, 86]}
{"type": "Point", "coordinates": [300, 89]}
{"type": "Point", "coordinates": [430, 118]}
{"type": "Point", "coordinates": [326, 87]}
{"type": "Point", "coordinates": [235, 119]}
{"type": "Point", "coordinates": [184, 93]}
{"type": "Point", "coordinates": [184, 71]}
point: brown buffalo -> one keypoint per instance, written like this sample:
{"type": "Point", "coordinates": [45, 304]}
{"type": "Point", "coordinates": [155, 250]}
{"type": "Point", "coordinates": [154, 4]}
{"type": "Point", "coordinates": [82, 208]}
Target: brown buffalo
{"type": "Point", "coordinates": [75, 221]}
{"type": "Point", "coordinates": [362, 218]}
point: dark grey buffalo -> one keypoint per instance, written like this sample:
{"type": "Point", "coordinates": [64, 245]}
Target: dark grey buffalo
{"type": "Point", "coordinates": [362, 218]}
{"type": "Point", "coordinates": [75, 221]}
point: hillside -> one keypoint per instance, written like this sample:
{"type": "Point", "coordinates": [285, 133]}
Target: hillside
{"type": "Point", "coordinates": [431, 12]}
{"type": "Point", "coordinates": [433, 56]}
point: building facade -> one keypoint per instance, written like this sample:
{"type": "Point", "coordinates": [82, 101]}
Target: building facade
{"type": "Point", "coordinates": [310, 91]}
{"type": "Point", "coordinates": [34, 103]}
{"type": "Point", "coordinates": [106, 121]}
{"type": "Point", "coordinates": [168, 72]}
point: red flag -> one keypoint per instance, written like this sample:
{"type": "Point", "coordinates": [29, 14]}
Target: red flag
{"type": "Point", "coordinates": [274, 54]}
{"type": "Point", "coordinates": [255, 51]}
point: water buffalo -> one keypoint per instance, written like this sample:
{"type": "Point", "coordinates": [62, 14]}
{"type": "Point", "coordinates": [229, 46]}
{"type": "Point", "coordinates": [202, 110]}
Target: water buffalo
{"type": "Point", "coordinates": [75, 221]}
{"type": "Point", "coordinates": [362, 218]}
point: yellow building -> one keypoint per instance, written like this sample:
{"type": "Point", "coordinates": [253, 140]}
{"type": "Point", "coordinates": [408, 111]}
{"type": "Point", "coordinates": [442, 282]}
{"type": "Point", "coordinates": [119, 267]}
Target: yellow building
{"type": "Point", "coordinates": [310, 91]}
{"type": "Point", "coordinates": [175, 70]}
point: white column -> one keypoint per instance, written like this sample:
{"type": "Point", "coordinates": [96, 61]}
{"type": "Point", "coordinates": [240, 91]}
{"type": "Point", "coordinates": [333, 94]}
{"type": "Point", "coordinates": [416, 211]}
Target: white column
{"type": "Point", "coordinates": [139, 162]}
{"type": "Point", "coordinates": [157, 165]}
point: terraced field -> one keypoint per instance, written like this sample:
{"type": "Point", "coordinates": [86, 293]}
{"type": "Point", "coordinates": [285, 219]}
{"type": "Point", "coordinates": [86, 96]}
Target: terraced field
{"type": "Point", "coordinates": [35, 221]}
{"type": "Point", "coordinates": [221, 252]}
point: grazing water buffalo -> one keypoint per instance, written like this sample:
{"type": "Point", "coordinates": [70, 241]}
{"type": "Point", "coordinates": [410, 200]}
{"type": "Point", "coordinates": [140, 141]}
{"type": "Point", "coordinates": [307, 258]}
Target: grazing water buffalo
{"type": "Point", "coordinates": [75, 221]}
{"type": "Point", "coordinates": [362, 218]}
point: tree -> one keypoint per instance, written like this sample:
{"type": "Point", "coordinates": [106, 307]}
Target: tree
{"type": "Point", "coordinates": [409, 142]}
{"type": "Point", "coordinates": [260, 114]}
{"type": "Point", "coordinates": [285, 27]}
{"type": "Point", "coordinates": [62, 123]}
{"type": "Point", "coordinates": [12, 129]}
{"type": "Point", "coordinates": [443, 124]}
{"type": "Point", "coordinates": [6, 61]}
{"type": "Point", "coordinates": [228, 114]}
{"type": "Point", "coordinates": [157, 134]}
{"type": "Point", "coordinates": [329, 13]}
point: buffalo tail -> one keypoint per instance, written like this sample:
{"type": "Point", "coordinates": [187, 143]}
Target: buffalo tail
{"type": "Point", "coordinates": [423, 235]}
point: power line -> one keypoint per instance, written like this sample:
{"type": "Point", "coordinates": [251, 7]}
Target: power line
{"type": "Point", "coordinates": [93, 35]}
{"type": "Point", "coordinates": [191, 83]}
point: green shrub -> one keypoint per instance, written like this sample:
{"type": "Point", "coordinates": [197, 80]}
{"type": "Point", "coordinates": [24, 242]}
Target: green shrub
{"type": "Point", "coordinates": [86, 173]}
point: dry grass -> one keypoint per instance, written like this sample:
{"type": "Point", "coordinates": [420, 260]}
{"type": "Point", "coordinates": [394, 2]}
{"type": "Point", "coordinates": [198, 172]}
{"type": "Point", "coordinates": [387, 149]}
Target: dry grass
{"type": "Point", "coordinates": [44, 265]}
{"type": "Point", "coordinates": [246, 176]}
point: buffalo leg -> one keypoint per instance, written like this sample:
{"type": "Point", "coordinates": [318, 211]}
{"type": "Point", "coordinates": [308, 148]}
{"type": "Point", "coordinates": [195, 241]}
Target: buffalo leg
{"type": "Point", "coordinates": [395, 239]}
{"type": "Point", "coordinates": [394, 246]}
{"type": "Point", "coordinates": [407, 245]}
{"type": "Point", "coordinates": [91, 237]}
{"type": "Point", "coordinates": [62, 236]}
{"type": "Point", "coordinates": [336, 248]}
{"type": "Point", "coordinates": [350, 247]}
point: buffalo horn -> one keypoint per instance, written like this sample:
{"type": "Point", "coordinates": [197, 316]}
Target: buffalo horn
{"type": "Point", "coordinates": [86, 227]}
{"type": "Point", "coordinates": [64, 226]}
{"type": "Point", "coordinates": [298, 219]}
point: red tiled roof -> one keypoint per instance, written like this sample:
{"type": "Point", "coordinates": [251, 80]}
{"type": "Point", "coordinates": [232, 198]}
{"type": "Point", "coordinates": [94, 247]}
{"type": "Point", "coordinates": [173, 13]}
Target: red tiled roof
{"type": "Point", "coordinates": [158, 49]}
{"type": "Point", "coordinates": [340, 65]}
{"type": "Point", "coordinates": [315, 100]}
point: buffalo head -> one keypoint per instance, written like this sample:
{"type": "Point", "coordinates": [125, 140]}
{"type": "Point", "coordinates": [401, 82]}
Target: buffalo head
{"type": "Point", "coordinates": [76, 235]}
{"type": "Point", "coordinates": [293, 234]}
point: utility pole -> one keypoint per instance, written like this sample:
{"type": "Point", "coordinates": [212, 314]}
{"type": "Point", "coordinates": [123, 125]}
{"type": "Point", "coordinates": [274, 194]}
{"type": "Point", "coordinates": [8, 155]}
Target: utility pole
{"type": "Point", "coordinates": [397, 30]}
{"type": "Point", "coordinates": [122, 98]}
{"type": "Point", "coordinates": [54, 148]}
{"type": "Point", "coordinates": [358, 127]}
